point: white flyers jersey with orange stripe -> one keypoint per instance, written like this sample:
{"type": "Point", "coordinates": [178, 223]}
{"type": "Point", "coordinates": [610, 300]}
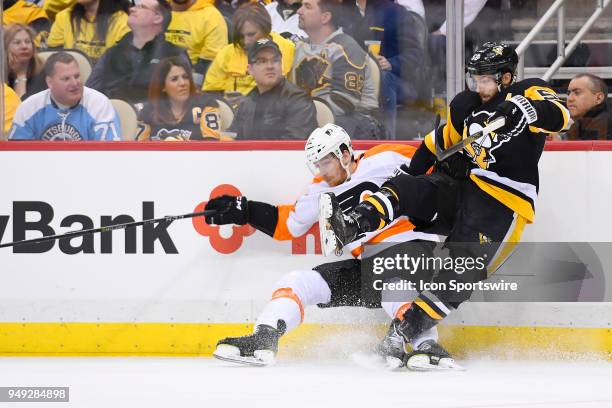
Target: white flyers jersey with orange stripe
{"type": "Point", "coordinates": [374, 167]}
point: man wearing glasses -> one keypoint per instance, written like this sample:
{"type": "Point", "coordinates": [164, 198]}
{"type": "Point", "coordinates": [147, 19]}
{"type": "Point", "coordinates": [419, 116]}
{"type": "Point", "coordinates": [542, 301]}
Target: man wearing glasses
{"type": "Point", "coordinates": [124, 71]}
{"type": "Point", "coordinates": [275, 109]}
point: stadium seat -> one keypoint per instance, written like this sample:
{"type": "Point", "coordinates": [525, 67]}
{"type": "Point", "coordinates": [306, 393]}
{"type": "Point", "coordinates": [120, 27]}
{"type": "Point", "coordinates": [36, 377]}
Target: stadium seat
{"type": "Point", "coordinates": [81, 58]}
{"type": "Point", "coordinates": [128, 118]}
{"type": "Point", "coordinates": [324, 113]}
{"type": "Point", "coordinates": [227, 114]}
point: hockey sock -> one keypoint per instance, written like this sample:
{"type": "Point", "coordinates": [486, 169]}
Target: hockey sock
{"type": "Point", "coordinates": [426, 312]}
{"type": "Point", "coordinates": [282, 308]}
{"type": "Point", "coordinates": [378, 210]}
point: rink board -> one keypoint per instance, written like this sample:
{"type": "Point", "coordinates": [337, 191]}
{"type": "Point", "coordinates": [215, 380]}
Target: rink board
{"type": "Point", "coordinates": [181, 292]}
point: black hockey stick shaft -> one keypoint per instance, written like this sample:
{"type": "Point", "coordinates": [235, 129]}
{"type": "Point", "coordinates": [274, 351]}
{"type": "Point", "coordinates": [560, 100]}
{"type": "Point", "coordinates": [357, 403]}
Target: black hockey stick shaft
{"type": "Point", "coordinates": [79, 233]}
{"type": "Point", "coordinates": [444, 154]}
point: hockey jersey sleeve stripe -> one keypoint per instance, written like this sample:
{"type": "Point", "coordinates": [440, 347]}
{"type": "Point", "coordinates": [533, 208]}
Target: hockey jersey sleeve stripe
{"type": "Point", "coordinates": [430, 141]}
{"type": "Point", "coordinates": [404, 150]}
{"type": "Point", "coordinates": [554, 117]}
{"type": "Point", "coordinates": [450, 134]}
{"type": "Point", "coordinates": [281, 232]}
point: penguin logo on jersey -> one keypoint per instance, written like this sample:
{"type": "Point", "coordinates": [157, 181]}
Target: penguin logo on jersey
{"type": "Point", "coordinates": [482, 149]}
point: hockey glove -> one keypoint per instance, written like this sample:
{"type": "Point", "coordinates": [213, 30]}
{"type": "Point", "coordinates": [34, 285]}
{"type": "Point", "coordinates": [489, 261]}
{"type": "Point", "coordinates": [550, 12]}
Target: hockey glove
{"type": "Point", "coordinates": [230, 210]}
{"type": "Point", "coordinates": [518, 112]}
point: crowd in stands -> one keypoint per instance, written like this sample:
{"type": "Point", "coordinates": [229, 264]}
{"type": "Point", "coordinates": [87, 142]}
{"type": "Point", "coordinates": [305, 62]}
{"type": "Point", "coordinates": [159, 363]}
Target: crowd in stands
{"type": "Point", "coordinates": [278, 67]}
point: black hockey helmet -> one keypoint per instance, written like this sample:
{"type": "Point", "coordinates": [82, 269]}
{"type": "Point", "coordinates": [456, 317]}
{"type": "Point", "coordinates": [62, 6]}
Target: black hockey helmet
{"type": "Point", "coordinates": [493, 58]}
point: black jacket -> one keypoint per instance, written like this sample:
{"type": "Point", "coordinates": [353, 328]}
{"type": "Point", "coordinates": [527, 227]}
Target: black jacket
{"type": "Point", "coordinates": [283, 113]}
{"type": "Point", "coordinates": [124, 71]}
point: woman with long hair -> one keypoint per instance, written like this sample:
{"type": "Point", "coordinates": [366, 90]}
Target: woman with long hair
{"type": "Point", "coordinates": [23, 66]}
{"type": "Point", "coordinates": [175, 110]}
{"type": "Point", "coordinates": [91, 26]}
{"type": "Point", "coordinates": [228, 72]}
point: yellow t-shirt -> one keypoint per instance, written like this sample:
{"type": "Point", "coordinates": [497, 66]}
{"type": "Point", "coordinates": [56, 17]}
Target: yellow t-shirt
{"type": "Point", "coordinates": [52, 7]}
{"type": "Point", "coordinates": [228, 72]}
{"type": "Point", "coordinates": [201, 30]}
{"type": "Point", "coordinates": [61, 34]}
{"type": "Point", "coordinates": [11, 102]}
{"type": "Point", "coordinates": [23, 12]}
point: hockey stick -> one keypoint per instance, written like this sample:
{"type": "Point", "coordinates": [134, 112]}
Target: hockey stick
{"type": "Point", "coordinates": [444, 154]}
{"type": "Point", "coordinates": [73, 234]}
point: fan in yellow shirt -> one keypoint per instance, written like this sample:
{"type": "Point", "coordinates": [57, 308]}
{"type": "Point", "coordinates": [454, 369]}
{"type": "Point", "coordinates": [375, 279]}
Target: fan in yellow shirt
{"type": "Point", "coordinates": [26, 13]}
{"type": "Point", "coordinates": [199, 28]}
{"type": "Point", "coordinates": [228, 71]}
{"type": "Point", "coordinates": [91, 26]}
{"type": "Point", "coordinates": [11, 102]}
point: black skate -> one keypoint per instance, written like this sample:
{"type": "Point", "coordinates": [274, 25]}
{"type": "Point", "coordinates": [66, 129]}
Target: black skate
{"type": "Point", "coordinates": [335, 229]}
{"type": "Point", "coordinates": [391, 349]}
{"type": "Point", "coordinates": [258, 349]}
{"type": "Point", "coordinates": [430, 356]}
{"type": "Point", "coordinates": [388, 354]}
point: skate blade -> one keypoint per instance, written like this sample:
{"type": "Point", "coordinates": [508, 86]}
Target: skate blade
{"type": "Point", "coordinates": [374, 361]}
{"type": "Point", "coordinates": [326, 234]}
{"type": "Point", "coordinates": [261, 358]}
{"type": "Point", "coordinates": [423, 363]}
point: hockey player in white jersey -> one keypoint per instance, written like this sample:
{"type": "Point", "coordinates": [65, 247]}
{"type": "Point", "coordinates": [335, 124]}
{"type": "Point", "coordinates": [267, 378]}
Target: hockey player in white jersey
{"type": "Point", "coordinates": [331, 158]}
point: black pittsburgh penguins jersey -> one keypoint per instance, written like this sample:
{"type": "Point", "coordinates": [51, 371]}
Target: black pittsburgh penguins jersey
{"type": "Point", "coordinates": [505, 167]}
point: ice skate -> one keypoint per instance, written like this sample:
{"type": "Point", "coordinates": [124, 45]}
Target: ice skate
{"type": "Point", "coordinates": [335, 229]}
{"type": "Point", "coordinates": [388, 354]}
{"type": "Point", "coordinates": [258, 349]}
{"type": "Point", "coordinates": [391, 349]}
{"type": "Point", "coordinates": [430, 356]}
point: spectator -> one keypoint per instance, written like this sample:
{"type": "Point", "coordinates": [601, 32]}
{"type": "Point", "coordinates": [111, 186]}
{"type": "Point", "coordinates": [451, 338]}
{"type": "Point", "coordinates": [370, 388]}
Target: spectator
{"type": "Point", "coordinates": [24, 67]}
{"type": "Point", "coordinates": [587, 96]}
{"type": "Point", "coordinates": [199, 28]}
{"type": "Point", "coordinates": [11, 102]}
{"type": "Point", "coordinates": [228, 72]}
{"type": "Point", "coordinates": [285, 18]}
{"type": "Point", "coordinates": [175, 111]}
{"type": "Point", "coordinates": [91, 26]}
{"type": "Point", "coordinates": [332, 66]}
{"type": "Point", "coordinates": [26, 13]}
{"type": "Point", "coordinates": [276, 108]}
{"type": "Point", "coordinates": [66, 111]}
{"type": "Point", "coordinates": [401, 53]}
{"type": "Point", "coordinates": [124, 71]}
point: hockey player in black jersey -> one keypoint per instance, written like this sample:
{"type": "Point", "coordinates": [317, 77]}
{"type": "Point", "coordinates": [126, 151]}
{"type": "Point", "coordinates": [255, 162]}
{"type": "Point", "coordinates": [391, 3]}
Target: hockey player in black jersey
{"type": "Point", "coordinates": [481, 197]}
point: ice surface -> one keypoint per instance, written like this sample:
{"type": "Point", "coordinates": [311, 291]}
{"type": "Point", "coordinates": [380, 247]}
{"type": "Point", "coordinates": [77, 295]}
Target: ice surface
{"type": "Point", "coordinates": [205, 382]}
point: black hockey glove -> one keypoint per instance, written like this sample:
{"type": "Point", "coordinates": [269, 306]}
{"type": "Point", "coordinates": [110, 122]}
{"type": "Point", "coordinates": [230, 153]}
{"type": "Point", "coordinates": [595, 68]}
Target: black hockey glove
{"type": "Point", "coordinates": [518, 112]}
{"type": "Point", "coordinates": [230, 210]}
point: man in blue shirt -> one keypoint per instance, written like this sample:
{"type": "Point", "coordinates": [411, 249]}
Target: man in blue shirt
{"type": "Point", "coordinates": [67, 110]}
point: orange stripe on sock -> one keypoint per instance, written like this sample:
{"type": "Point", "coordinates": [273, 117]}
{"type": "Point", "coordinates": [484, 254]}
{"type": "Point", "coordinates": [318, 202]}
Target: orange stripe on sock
{"type": "Point", "coordinates": [288, 293]}
{"type": "Point", "coordinates": [400, 312]}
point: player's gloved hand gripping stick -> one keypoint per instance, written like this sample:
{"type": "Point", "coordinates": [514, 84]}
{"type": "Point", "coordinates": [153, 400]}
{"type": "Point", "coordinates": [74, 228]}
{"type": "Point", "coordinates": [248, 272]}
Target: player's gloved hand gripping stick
{"type": "Point", "coordinates": [493, 126]}
{"type": "Point", "coordinates": [167, 219]}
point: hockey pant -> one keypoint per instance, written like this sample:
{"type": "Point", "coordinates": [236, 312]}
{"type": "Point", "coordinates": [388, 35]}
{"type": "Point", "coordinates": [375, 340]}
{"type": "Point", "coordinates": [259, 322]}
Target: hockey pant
{"type": "Point", "coordinates": [478, 226]}
{"type": "Point", "coordinates": [332, 284]}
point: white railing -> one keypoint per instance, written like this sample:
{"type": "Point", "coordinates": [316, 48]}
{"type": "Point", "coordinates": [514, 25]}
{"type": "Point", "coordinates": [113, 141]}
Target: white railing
{"type": "Point", "coordinates": [562, 50]}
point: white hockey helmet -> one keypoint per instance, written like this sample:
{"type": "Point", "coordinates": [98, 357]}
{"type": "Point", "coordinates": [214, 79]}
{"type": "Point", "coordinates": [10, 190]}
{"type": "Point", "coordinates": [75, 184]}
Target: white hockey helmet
{"type": "Point", "coordinates": [325, 140]}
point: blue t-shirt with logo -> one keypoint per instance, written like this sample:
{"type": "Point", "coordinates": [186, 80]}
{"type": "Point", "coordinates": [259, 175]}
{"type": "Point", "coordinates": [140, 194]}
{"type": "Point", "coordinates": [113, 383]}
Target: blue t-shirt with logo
{"type": "Point", "coordinates": [40, 118]}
